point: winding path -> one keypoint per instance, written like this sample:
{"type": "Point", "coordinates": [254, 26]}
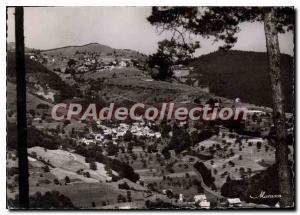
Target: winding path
{"type": "Point", "coordinates": [205, 187]}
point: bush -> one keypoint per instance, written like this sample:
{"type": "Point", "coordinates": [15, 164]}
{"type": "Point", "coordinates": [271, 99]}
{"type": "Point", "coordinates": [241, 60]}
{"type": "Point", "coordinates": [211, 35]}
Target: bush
{"type": "Point", "coordinates": [56, 182]}
{"type": "Point", "coordinates": [87, 174]}
{"type": "Point", "coordinates": [121, 198]}
{"type": "Point", "coordinates": [93, 166]}
{"type": "Point", "coordinates": [51, 200]}
{"type": "Point", "coordinates": [258, 145]}
{"type": "Point", "coordinates": [124, 186]}
{"type": "Point", "coordinates": [67, 180]}
{"type": "Point", "coordinates": [205, 172]}
{"type": "Point", "coordinates": [46, 168]}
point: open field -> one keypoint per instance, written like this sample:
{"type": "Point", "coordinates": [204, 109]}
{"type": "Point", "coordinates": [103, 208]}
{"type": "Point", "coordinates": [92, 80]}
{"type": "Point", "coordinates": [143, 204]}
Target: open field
{"type": "Point", "coordinates": [67, 163]}
{"type": "Point", "coordinates": [32, 100]}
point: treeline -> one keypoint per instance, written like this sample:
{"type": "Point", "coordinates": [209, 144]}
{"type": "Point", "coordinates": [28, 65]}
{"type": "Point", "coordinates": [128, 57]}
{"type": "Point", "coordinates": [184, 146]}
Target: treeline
{"type": "Point", "coordinates": [34, 138]}
{"type": "Point", "coordinates": [208, 179]}
{"type": "Point", "coordinates": [94, 153]}
{"type": "Point", "coordinates": [182, 140]}
{"type": "Point", "coordinates": [49, 200]}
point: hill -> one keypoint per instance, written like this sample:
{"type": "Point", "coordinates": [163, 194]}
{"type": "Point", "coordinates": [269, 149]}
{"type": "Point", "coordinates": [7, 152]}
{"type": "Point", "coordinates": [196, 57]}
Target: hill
{"type": "Point", "coordinates": [69, 51]}
{"type": "Point", "coordinates": [11, 47]}
{"type": "Point", "coordinates": [244, 75]}
{"type": "Point", "coordinates": [36, 72]}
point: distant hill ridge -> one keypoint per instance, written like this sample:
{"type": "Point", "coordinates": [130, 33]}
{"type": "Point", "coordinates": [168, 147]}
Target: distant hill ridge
{"type": "Point", "coordinates": [244, 75]}
{"type": "Point", "coordinates": [69, 51]}
{"type": "Point", "coordinates": [232, 74]}
{"type": "Point", "coordinates": [74, 46]}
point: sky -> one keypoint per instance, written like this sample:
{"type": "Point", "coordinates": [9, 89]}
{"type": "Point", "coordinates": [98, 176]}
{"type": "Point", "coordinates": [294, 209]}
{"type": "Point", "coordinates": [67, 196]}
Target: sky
{"type": "Point", "coordinates": [118, 27]}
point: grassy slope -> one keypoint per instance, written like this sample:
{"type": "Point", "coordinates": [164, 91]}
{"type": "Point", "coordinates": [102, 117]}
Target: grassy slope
{"type": "Point", "coordinates": [244, 75]}
{"type": "Point", "coordinates": [40, 73]}
{"type": "Point", "coordinates": [69, 51]}
{"type": "Point", "coordinates": [32, 100]}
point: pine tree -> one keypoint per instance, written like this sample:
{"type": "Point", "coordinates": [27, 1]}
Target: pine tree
{"type": "Point", "coordinates": [222, 23]}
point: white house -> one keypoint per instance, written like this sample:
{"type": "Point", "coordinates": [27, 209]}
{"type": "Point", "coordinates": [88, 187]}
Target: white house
{"type": "Point", "coordinates": [204, 204]}
{"type": "Point", "coordinates": [200, 198]}
{"type": "Point", "coordinates": [181, 197]}
{"type": "Point", "coordinates": [234, 202]}
{"type": "Point", "coordinates": [180, 73]}
{"type": "Point", "coordinates": [122, 64]}
{"type": "Point", "coordinates": [125, 207]}
{"type": "Point", "coordinates": [201, 201]}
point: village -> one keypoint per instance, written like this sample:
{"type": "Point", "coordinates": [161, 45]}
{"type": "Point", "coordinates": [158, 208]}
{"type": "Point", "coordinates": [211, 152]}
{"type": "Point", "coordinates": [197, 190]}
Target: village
{"type": "Point", "coordinates": [141, 145]}
{"type": "Point", "coordinates": [146, 163]}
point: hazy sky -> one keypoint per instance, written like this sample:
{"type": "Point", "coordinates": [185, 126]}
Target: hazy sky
{"type": "Point", "coordinates": [118, 27]}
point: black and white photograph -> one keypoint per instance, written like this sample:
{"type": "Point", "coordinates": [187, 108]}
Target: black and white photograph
{"type": "Point", "coordinates": [150, 108]}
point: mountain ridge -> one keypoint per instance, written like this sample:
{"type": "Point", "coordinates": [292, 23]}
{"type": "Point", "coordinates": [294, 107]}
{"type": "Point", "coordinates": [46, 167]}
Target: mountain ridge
{"type": "Point", "coordinates": [75, 46]}
{"type": "Point", "coordinates": [244, 75]}
{"type": "Point", "coordinates": [96, 48]}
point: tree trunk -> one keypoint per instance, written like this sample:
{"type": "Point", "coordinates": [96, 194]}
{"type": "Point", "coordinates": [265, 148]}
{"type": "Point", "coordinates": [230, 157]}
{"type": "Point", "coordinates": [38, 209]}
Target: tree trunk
{"type": "Point", "coordinates": [21, 110]}
{"type": "Point", "coordinates": [284, 173]}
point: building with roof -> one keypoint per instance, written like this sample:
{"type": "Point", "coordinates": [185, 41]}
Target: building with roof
{"type": "Point", "coordinates": [234, 202]}
{"type": "Point", "coordinates": [201, 201]}
{"type": "Point", "coordinates": [204, 204]}
{"type": "Point", "coordinates": [200, 197]}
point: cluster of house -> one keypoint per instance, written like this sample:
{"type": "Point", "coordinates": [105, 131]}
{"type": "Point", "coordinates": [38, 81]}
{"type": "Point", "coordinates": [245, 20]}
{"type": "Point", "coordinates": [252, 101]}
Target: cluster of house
{"type": "Point", "coordinates": [85, 62]}
{"type": "Point", "coordinates": [41, 58]}
{"type": "Point", "coordinates": [201, 201]}
{"type": "Point", "coordinates": [88, 62]}
{"type": "Point", "coordinates": [117, 133]}
{"type": "Point", "coordinates": [182, 72]}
